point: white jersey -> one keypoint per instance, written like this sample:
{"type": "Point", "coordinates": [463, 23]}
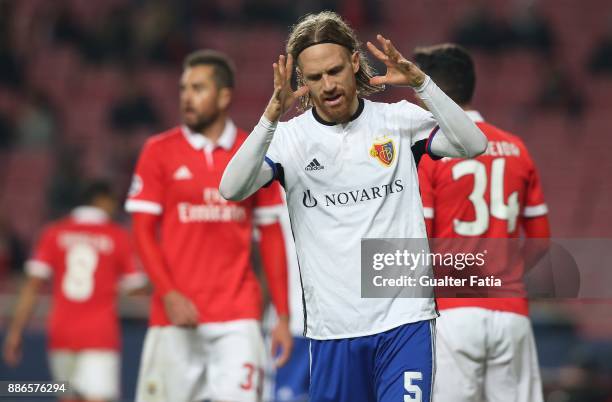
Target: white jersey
{"type": "Point", "coordinates": [345, 183]}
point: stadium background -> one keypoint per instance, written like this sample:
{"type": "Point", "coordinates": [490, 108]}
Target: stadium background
{"type": "Point", "coordinates": [84, 83]}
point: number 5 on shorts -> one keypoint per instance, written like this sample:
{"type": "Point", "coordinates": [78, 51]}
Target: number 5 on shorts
{"type": "Point", "coordinates": [411, 388]}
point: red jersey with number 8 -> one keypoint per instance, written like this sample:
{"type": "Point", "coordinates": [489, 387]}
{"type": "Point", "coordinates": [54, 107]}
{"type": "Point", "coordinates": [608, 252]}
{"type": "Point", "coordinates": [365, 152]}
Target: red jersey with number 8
{"type": "Point", "coordinates": [485, 197]}
{"type": "Point", "coordinates": [89, 257]}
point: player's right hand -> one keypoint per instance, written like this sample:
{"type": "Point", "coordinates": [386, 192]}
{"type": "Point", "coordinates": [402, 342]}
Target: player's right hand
{"type": "Point", "coordinates": [283, 97]}
{"type": "Point", "coordinates": [180, 310]}
{"type": "Point", "coordinates": [12, 349]}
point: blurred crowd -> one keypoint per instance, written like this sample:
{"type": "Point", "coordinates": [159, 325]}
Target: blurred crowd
{"type": "Point", "coordinates": [129, 37]}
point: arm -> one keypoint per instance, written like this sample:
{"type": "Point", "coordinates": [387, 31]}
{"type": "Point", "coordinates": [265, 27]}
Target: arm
{"type": "Point", "coordinates": [134, 285]}
{"type": "Point", "coordinates": [133, 281]}
{"type": "Point", "coordinates": [247, 171]}
{"type": "Point", "coordinates": [429, 227]}
{"type": "Point", "coordinates": [426, 188]}
{"type": "Point", "coordinates": [537, 243]}
{"type": "Point", "coordinates": [461, 137]}
{"type": "Point", "coordinates": [535, 219]}
{"type": "Point", "coordinates": [180, 310]}
{"type": "Point", "coordinates": [145, 236]}
{"type": "Point", "coordinates": [272, 247]}
{"type": "Point", "coordinates": [26, 303]}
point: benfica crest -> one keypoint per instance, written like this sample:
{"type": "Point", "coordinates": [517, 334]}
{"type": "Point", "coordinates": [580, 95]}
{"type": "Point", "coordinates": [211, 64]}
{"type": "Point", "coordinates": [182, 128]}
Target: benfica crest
{"type": "Point", "coordinates": [384, 151]}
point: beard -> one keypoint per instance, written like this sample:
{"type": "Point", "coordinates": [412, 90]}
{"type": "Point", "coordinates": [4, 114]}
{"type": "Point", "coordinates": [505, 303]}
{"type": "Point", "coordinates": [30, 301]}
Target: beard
{"type": "Point", "coordinates": [336, 114]}
{"type": "Point", "coordinates": [201, 121]}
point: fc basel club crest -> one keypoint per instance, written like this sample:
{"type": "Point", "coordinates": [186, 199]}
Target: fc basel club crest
{"type": "Point", "coordinates": [384, 151]}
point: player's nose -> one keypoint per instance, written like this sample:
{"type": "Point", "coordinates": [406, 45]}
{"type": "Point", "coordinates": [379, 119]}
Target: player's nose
{"type": "Point", "coordinates": [185, 96]}
{"type": "Point", "coordinates": [329, 85]}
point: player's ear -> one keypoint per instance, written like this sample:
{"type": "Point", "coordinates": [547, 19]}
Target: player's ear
{"type": "Point", "coordinates": [225, 98]}
{"type": "Point", "coordinates": [355, 62]}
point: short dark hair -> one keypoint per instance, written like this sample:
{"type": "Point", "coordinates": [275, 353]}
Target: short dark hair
{"type": "Point", "coordinates": [222, 65]}
{"type": "Point", "coordinates": [451, 67]}
{"type": "Point", "coordinates": [95, 189]}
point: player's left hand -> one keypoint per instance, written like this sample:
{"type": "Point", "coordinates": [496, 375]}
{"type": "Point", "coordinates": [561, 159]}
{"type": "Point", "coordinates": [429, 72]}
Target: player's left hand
{"type": "Point", "coordinates": [400, 71]}
{"type": "Point", "coordinates": [12, 349]}
{"type": "Point", "coordinates": [282, 342]}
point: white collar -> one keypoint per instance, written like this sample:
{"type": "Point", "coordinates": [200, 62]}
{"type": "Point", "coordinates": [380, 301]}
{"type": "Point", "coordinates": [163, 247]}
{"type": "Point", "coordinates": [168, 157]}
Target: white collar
{"type": "Point", "coordinates": [199, 141]}
{"type": "Point", "coordinates": [475, 116]}
{"type": "Point", "coordinates": [89, 214]}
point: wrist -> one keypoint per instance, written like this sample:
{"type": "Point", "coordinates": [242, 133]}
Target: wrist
{"type": "Point", "coordinates": [423, 84]}
{"type": "Point", "coordinates": [267, 123]}
{"type": "Point", "coordinates": [283, 318]}
{"type": "Point", "coordinates": [272, 114]}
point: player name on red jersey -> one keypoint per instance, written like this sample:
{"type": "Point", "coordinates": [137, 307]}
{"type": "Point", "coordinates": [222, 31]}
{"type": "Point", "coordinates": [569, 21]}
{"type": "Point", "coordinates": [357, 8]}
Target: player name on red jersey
{"type": "Point", "coordinates": [100, 242]}
{"type": "Point", "coordinates": [502, 148]}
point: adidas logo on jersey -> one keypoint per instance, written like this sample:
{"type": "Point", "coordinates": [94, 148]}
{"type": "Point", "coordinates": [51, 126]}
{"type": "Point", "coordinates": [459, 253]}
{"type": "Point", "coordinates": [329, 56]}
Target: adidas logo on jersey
{"type": "Point", "coordinates": [314, 165]}
{"type": "Point", "coordinates": [182, 173]}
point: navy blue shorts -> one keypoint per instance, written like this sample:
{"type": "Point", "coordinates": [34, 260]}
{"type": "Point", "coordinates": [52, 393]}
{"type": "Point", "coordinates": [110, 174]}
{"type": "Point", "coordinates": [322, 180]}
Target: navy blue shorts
{"type": "Point", "coordinates": [393, 366]}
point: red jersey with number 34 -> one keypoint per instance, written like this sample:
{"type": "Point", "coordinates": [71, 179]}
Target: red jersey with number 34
{"type": "Point", "coordinates": [88, 257]}
{"type": "Point", "coordinates": [487, 197]}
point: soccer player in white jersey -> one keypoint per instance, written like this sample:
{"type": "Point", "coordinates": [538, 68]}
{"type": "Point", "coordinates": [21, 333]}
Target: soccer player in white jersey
{"type": "Point", "coordinates": [348, 167]}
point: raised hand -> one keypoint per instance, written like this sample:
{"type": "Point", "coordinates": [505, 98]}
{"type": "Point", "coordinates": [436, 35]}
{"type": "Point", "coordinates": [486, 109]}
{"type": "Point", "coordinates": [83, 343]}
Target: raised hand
{"type": "Point", "coordinates": [400, 72]}
{"type": "Point", "coordinates": [283, 97]}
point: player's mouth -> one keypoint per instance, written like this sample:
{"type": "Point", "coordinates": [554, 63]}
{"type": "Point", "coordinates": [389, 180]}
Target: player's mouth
{"type": "Point", "coordinates": [333, 100]}
{"type": "Point", "coordinates": [189, 111]}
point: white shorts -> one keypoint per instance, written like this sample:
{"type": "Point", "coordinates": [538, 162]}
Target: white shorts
{"type": "Point", "coordinates": [217, 361]}
{"type": "Point", "coordinates": [485, 355]}
{"type": "Point", "coordinates": [92, 374]}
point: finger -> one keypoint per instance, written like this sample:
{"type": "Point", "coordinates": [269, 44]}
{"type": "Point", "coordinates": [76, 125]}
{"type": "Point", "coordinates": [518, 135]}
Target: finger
{"type": "Point", "coordinates": [10, 359]}
{"type": "Point", "coordinates": [282, 64]}
{"type": "Point", "coordinates": [386, 45]}
{"type": "Point", "coordinates": [301, 91]}
{"type": "Point", "coordinates": [378, 80]}
{"type": "Point", "coordinates": [178, 319]}
{"type": "Point", "coordinates": [284, 356]}
{"type": "Point", "coordinates": [277, 79]}
{"type": "Point", "coordinates": [376, 52]}
{"type": "Point", "coordinates": [393, 52]}
{"type": "Point", "coordinates": [388, 48]}
{"type": "Point", "coordinates": [289, 68]}
{"type": "Point", "coordinates": [274, 347]}
{"type": "Point", "coordinates": [383, 42]}
{"type": "Point", "coordinates": [194, 314]}
{"type": "Point", "coordinates": [276, 94]}
{"type": "Point", "coordinates": [8, 356]}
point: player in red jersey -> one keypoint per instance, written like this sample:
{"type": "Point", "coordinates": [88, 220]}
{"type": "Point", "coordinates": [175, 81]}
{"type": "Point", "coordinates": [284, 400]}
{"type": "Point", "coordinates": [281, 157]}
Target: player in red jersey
{"type": "Point", "coordinates": [485, 346]}
{"type": "Point", "coordinates": [89, 258]}
{"type": "Point", "coordinates": [204, 340]}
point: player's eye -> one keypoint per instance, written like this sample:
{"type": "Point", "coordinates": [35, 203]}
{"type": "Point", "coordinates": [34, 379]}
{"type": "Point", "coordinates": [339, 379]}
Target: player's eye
{"type": "Point", "coordinates": [314, 77]}
{"type": "Point", "coordinates": [335, 70]}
